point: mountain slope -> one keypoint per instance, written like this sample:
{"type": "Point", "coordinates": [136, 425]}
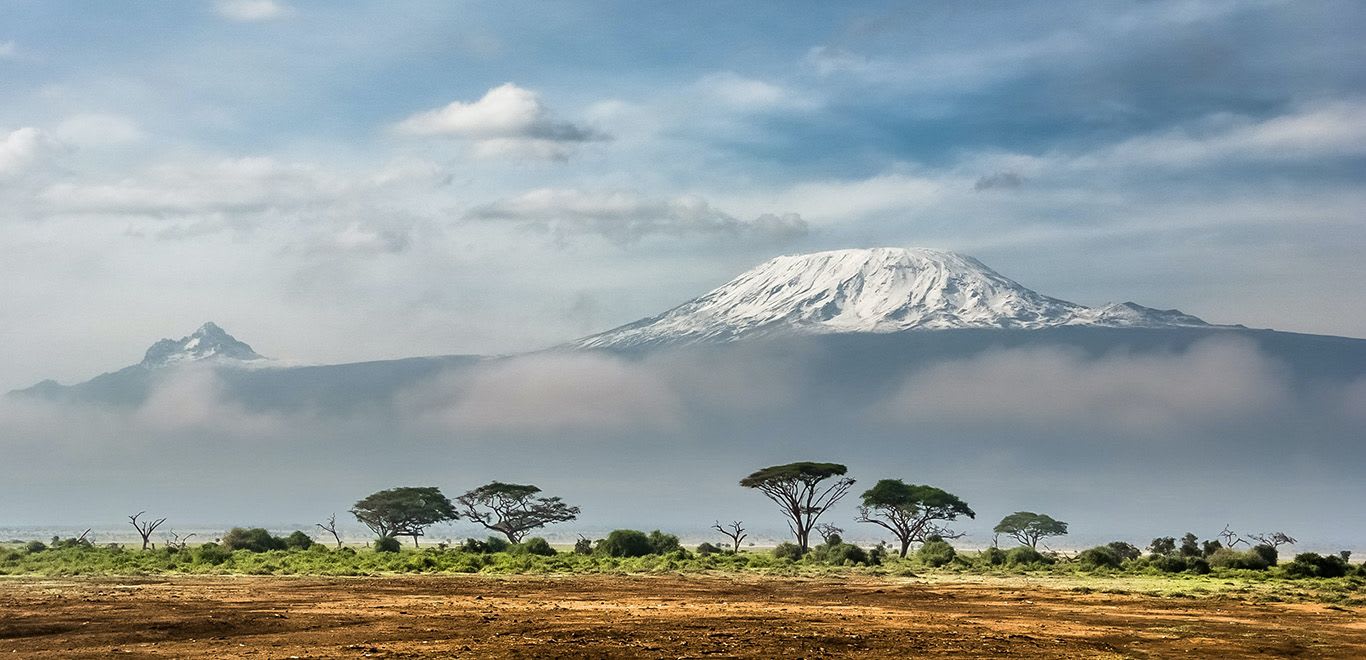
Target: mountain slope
{"type": "Point", "coordinates": [874, 290]}
{"type": "Point", "coordinates": [209, 342]}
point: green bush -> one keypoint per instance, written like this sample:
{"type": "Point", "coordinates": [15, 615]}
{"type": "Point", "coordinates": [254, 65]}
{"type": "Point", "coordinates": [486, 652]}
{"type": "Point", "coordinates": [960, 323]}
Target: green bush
{"type": "Point", "coordinates": [34, 546]}
{"type": "Point", "coordinates": [583, 546]}
{"type": "Point", "coordinates": [838, 553]}
{"type": "Point", "coordinates": [1226, 558]}
{"type": "Point", "coordinates": [537, 546]}
{"type": "Point", "coordinates": [787, 550]}
{"type": "Point", "coordinates": [1099, 557]}
{"type": "Point", "coordinates": [1309, 564]}
{"type": "Point", "coordinates": [626, 543]}
{"type": "Point", "coordinates": [298, 541]}
{"type": "Point", "coordinates": [709, 549]}
{"type": "Point", "coordinates": [1178, 563]}
{"type": "Point", "coordinates": [489, 545]}
{"type": "Point", "coordinates": [1026, 556]}
{"type": "Point", "coordinates": [992, 556]}
{"type": "Point", "coordinates": [936, 553]}
{"type": "Point", "coordinates": [255, 539]}
{"type": "Point", "coordinates": [663, 544]}
{"type": "Point", "coordinates": [1124, 550]}
{"type": "Point", "coordinates": [1267, 552]}
{"type": "Point", "coordinates": [387, 544]}
{"type": "Point", "coordinates": [211, 554]}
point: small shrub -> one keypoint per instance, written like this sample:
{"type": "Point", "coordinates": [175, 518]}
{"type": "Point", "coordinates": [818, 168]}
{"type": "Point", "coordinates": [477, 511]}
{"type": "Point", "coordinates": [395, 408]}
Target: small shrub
{"type": "Point", "coordinates": [936, 553]}
{"type": "Point", "coordinates": [387, 544]}
{"type": "Point", "coordinates": [1226, 558]}
{"type": "Point", "coordinates": [787, 550]}
{"type": "Point", "coordinates": [1125, 551]}
{"type": "Point", "coordinates": [625, 543]}
{"type": "Point", "coordinates": [298, 541]}
{"type": "Point", "coordinates": [212, 554]}
{"type": "Point", "coordinates": [497, 544]}
{"type": "Point", "coordinates": [1025, 556]}
{"type": "Point", "coordinates": [1099, 557]}
{"type": "Point", "coordinates": [255, 539]}
{"type": "Point", "coordinates": [878, 554]}
{"type": "Point", "coordinates": [708, 549]}
{"type": "Point", "coordinates": [1309, 564]}
{"type": "Point", "coordinates": [663, 544]}
{"type": "Point", "coordinates": [35, 546]}
{"type": "Point", "coordinates": [537, 546]}
{"type": "Point", "coordinates": [1171, 563]}
{"type": "Point", "coordinates": [1267, 552]}
{"type": "Point", "coordinates": [838, 554]}
{"type": "Point", "coordinates": [992, 556]}
{"type": "Point", "coordinates": [583, 546]}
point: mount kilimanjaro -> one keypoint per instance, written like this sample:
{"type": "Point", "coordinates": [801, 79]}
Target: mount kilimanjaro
{"type": "Point", "coordinates": [873, 313]}
{"type": "Point", "coordinates": [879, 290]}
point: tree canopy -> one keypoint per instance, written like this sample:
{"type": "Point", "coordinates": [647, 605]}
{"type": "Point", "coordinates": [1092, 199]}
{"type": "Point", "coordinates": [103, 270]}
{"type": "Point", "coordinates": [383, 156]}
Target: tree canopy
{"type": "Point", "coordinates": [513, 509]}
{"type": "Point", "coordinates": [1028, 527]}
{"type": "Point", "coordinates": [911, 512]}
{"type": "Point", "coordinates": [796, 488]}
{"type": "Point", "coordinates": [406, 511]}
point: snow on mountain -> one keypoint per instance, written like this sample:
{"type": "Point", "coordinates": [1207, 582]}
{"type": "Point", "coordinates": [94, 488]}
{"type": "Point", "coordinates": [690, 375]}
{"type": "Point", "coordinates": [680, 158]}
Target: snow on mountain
{"type": "Point", "coordinates": [209, 342]}
{"type": "Point", "coordinates": [876, 290]}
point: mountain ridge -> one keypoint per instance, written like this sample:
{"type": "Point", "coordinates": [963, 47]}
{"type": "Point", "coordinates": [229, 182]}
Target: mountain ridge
{"type": "Point", "coordinates": [871, 290]}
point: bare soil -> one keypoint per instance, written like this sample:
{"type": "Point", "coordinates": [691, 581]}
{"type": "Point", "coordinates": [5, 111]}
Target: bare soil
{"type": "Point", "coordinates": [644, 617]}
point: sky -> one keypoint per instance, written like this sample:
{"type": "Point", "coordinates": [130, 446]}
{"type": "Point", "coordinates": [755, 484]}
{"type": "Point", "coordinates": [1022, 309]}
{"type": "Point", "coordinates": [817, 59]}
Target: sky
{"type": "Point", "coordinates": [336, 182]}
{"type": "Point", "coordinates": [345, 181]}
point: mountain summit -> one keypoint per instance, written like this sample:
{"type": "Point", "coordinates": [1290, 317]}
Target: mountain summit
{"type": "Point", "coordinates": [876, 290]}
{"type": "Point", "coordinates": [209, 342]}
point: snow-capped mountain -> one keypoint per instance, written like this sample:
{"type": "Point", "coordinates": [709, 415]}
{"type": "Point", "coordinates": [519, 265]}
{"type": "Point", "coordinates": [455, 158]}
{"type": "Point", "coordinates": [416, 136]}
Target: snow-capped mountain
{"type": "Point", "coordinates": [876, 290]}
{"type": "Point", "coordinates": [209, 342]}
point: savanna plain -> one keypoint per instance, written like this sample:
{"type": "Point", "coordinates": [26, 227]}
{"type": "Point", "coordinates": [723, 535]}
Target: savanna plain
{"type": "Point", "coordinates": [450, 603]}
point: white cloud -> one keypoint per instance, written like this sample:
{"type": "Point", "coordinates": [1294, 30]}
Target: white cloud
{"type": "Point", "coordinates": [947, 71]}
{"type": "Point", "coordinates": [507, 120]}
{"type": "Point", "coordinates": [8, 49]}
{"type": "Point", "coordinates": [250, 10]}
{"type": "Point", "coordinates": [227, 185]}
{"type": "Point", "coordinates": [95, 130]}
{"type": "Point", "coordinates": [549, 393]}
{"type": "Point", "coordinates": [24, 149]}
{"type": "Point", "coordinates": [626, 217]}
{"type": "Point", "coordinates": [736, 91]}
{"type": "Point", "coordinates": [847, 199]}
{"type": "Point", "coordinates": [1323, 130]}
{"type": "Point", "coordinates": [1215, 382]}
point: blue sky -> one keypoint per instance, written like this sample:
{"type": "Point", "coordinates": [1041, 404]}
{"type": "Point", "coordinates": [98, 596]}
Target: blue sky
{"type": "Point", "coordinates": [345, 181]}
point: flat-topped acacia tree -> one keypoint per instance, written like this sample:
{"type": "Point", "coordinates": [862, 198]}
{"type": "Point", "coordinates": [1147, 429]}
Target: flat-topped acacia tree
{"type": "Point", "coordinates": [406, 511]}
{"type": "Point", "coordinates": [798, 489]}
{"type": "Point", "coordinates": [1029, 528]}
{"type": "Point", "coordinates": [911, 512]}
{"type": "Point", "coordinates": [513, 509]}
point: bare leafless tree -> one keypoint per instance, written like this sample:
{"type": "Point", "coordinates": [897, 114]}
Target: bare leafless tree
{"type": "Point", "coordinates": [1273, 539]}
{"type": "Point", "coordinates": [827, 530]}
{"type": "Point", "coordinates": [1231, 538]}
{"type": "Point", "coordinates": [174, 540]}
{"type": "Point", "coordinates": [732, 531]}
{"type": "Point", "coordinates": [145, 528]}
{"type": "Point", "coordinates": [331, 528]}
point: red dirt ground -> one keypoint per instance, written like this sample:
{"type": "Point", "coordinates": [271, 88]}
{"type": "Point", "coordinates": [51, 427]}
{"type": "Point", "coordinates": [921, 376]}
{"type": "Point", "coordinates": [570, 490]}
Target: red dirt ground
{"type": "Point", "coordinates": [643, 617]}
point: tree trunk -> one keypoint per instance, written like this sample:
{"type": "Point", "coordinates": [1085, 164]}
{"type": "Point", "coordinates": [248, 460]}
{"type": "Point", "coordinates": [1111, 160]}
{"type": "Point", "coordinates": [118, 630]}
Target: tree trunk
{"type": "Point", "coordinates": [905, 547]}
